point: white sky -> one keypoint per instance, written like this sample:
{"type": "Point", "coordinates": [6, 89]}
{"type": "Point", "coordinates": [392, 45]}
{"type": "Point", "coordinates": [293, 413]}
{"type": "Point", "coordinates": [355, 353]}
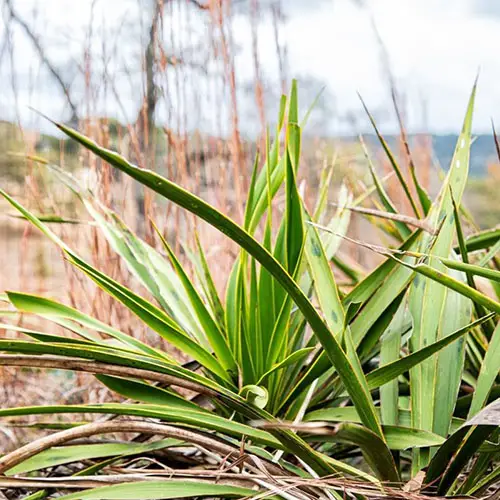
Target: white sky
{"type": "Point", "coordinates": [436, 48]}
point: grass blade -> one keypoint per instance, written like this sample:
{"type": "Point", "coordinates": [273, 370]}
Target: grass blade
{"type": "Point", "coordinates": [212, 331]}
{"type": "Point", "coordinates": [488, 373]}
{"type": "Point", "coordinates": [393, 162]}
{"type": "Point", "coordinates": [384, 197]}
{"type": "Point", "coordinates": [389, 352]}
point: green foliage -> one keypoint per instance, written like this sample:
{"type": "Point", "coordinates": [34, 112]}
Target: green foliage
{"type": "Point", "coordinates": [285, 345]}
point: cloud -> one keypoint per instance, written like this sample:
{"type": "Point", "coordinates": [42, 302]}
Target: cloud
{"type": "Point", "coordinates": [435, 49]}
{"type": "Point", "coordinates": [487, 7]}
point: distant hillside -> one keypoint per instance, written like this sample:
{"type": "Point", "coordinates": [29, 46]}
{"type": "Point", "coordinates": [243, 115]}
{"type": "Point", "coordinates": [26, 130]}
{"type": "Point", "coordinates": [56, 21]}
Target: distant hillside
{"type": "Point", "coordinates": [483, 150]}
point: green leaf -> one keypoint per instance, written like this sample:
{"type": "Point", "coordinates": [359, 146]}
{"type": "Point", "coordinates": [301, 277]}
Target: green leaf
{"type": "Point", "coordinates": [47, 337]}
{"type": "Point", "coordinates": [266, 310]}
{"type": "Point", "coordinates": [277, 343]}
{"type": "Point", "coordinates": [324, 281]}
{"type": "Point", "coordinates": [56, 311]}
{"type": "Point", "coordinates": [150, 314]}
{"type": "Point", "coordinates": [371, 340]}
{"type": "Point", "coordinates": [270, 177]}
{"type": "Point", "coordinates": [293, 207]}
{"type": "Point", "coordinates": [398, 438]}
{"type": "Point", "coordinates": [288, 440]}
{"type": "Point", "coordinates": [160, 490]}
{"type": "Point", "coordinates": [251, 195]}
{"type": "Point", "coordinates": [454, 455]}
{"type": "Point", "coordinates": [140, 391]}
{"type": "Point", "coordinates": [390, 371]}
{"type": "Point", "coordinates": [144, 262]}
{"type": "Point", "coordinates": [488, 373]}
{"type": "Point", "coordinates": [485, 272]}
{"type": "Point", "coordinates": [76, 453]}
{"type": "Point", "coordinates": [207, 279]}
{"type": "Point", "coordinates": [338, 225]}
{"type": "Point", "coordinates": [349, 414]}
{"type": "Point", "coordinates": [293, 110]}
{"type": "Point", "coordinates": [389, 352]}
{"type": "Point", "coordinates": [458, 449]}
{"type": "Point", "coordinates": [323, 190]}
{"type": "Point", "coordinates": [453, 284]}
{"type": "Point", "coordinates": [291, 359]}
{"type": "Point", "coordinates": [106, 355]}
{"type": "Point", "coordinates": [52, 219]}
{"type": "Point", "coordinates": [481, 240]}
{"type": "Point", "coordinates": [406, 438]}
{"type": "Point", "coordinates": [253, 318]}
{"type": "Point", "coordinates": [378, 291]}
{"type": "Point", "coordinates": [487, 327]}
{"type": "Point", "coordinates": [233, 308]}
{"type": "Point", "coordinates": [485, 482]}
{"type": "Point", "coordinates": [255, 395]}
{"type": "Point", "coordinates": [374, 449]}
{"type": "Point", "coordinates": [450, 360]}
{"type": "Point", "coordinates": [328, 298]}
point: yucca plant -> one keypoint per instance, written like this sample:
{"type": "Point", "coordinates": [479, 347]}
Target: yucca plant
{"type": "Point", "coordinates": [296, 390]}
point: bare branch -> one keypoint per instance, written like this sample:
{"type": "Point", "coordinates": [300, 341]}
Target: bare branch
{"type": "Point", "coordinates": [200, 5]}
{"type": "Point", "coordinates": [43, 57]}
{"type": "Point", "coordinates": [146, 114]}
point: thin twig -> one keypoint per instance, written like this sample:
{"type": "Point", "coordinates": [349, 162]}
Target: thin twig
{"type": "Point", "coordinates": [495, 139]}
{"type": "Point", "coordinates": [376, 248]}
{"type": "Point", "coordinates": [406, 219]}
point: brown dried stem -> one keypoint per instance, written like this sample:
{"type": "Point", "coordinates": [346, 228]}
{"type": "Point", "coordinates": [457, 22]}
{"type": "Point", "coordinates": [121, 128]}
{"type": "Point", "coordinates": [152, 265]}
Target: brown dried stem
{"type": "Point", "coordinates": [76, 364]}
